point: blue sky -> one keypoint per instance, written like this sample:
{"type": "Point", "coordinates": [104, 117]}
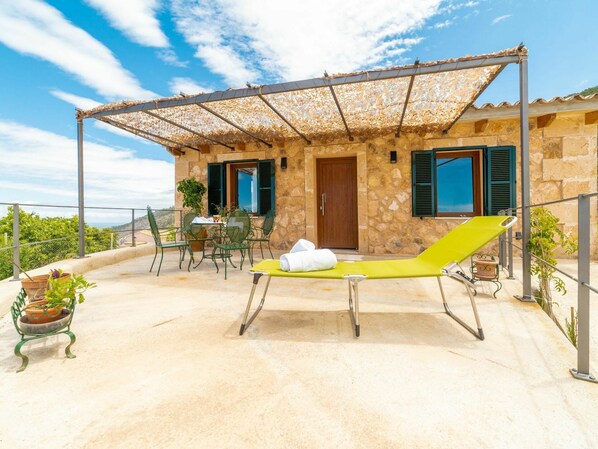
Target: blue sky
{"type": "Point", "coordinates": [61, 53]}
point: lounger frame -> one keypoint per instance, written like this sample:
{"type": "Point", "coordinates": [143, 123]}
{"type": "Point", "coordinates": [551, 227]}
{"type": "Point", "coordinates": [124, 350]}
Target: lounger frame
{"type": "Point", "coordinates": [452, 271]}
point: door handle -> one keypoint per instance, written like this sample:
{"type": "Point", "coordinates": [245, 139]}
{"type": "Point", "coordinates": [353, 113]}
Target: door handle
{"type": "Point", "coordinates": [323, 203]}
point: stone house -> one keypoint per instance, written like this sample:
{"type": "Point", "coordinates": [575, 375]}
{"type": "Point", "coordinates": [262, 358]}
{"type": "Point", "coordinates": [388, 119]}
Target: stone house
{"type": "Point", "coordinates": [380, 214]}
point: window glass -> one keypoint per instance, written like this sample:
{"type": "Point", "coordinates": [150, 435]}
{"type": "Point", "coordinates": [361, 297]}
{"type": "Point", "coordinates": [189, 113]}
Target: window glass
{"type": "Point", "coordinates": [455, 184]}
{"type": "Point", "coordinates": [245, 178]}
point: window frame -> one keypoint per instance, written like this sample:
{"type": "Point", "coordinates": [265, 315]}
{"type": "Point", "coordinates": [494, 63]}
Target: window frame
{"type": "Point", "coordinates": [232, 191]}
{"type": "Point", "coordinates": [477, 155]}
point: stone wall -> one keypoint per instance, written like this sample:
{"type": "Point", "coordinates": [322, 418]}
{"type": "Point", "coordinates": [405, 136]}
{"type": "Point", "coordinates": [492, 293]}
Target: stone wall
{"type": "Point", "coordinates": [562, 164]}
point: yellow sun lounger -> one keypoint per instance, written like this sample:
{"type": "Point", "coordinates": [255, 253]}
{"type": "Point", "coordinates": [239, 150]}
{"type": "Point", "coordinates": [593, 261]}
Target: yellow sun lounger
{"type": "Point", "coordinates": [440, 259]}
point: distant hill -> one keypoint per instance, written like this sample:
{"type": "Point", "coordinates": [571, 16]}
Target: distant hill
{"type": "Point", "coordinates": [586, 92]}
{"type": "Point", "coordinates": [164, 220]}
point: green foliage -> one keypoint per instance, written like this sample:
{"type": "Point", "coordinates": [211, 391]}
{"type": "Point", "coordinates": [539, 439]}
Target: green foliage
{"type": "Point", "coordinates": [571, 326]}
{"type": "Point", "coordinates": [171, 234]}
{"type": "Point", "coordinates": [589, 91]}
{"type": "Point", "coordinates": [545, 238]}
{"type": "Point", "coordinates": [55, 238]}
{"type": "Point", "coordinates": [224, 211]}
{"type": "Point", "coordinates": [586, 92]}
{"type": "Point", "coordinates": [193, 192]}
{"type": "Point", "coordinates": [63, 291]}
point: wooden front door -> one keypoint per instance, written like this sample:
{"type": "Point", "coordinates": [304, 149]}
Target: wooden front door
{"type": "Point", "coordinates": [337, 202]}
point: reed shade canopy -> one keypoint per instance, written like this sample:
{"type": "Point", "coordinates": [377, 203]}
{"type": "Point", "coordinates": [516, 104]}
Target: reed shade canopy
{"type": "Point", "coordinates": [421, 97]}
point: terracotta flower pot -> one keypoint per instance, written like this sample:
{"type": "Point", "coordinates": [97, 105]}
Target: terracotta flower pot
{"type": "Point", "coordinates": [38, 313]}
{"type": "Point", "coordinates": [36, 286]}
{"type": "Point", "coordinates": [486, 269]}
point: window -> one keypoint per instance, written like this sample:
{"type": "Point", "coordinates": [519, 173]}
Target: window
{"type": "Point", "coordinates": [243, 186]}
{"type": "Point", "coordinates": [246, 185]}
{"type": "Point", "coordinates": [458, 183]}
{"type": "Point", "coordinates": [461, 182]}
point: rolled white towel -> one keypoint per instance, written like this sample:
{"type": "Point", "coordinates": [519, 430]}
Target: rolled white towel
{"type": "Point", "coordinates": [302, 245]}
{"type": "Point", "coordinates": [314, 260]}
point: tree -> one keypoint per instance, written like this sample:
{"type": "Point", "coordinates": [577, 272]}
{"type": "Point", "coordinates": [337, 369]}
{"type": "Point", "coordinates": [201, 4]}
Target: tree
{"type": "Point", "coordinates": [47, 239]}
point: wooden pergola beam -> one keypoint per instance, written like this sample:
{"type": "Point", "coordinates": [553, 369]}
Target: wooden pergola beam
{"type": "Point", "coordinates": [545, 120]}
{"type": "Point", "coordinates": [480, 126]}
{"type": "Point", "coordinates": [591, 118]}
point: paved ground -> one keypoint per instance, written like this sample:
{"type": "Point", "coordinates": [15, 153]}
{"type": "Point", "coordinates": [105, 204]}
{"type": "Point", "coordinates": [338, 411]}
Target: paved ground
{"type": "Point", "coordinates": [160, 364]}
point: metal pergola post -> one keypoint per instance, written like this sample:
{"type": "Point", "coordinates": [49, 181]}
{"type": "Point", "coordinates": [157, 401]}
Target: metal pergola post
{"type": "Point", "coordinates": [81, 188]}
{"type": "Point", "coordinates": [583, 292]}
{"type": "Point", "coordinates": [16, 242]}
{"type": "Point", "coordinates": [525, 185]}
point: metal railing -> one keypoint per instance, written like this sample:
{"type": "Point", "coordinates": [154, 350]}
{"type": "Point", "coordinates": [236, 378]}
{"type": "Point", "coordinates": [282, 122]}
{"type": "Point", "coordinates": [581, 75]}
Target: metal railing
{"type": "Point", "coordinates": [74, 245]}
{"type": "Point", "coordinates": [584, 287]}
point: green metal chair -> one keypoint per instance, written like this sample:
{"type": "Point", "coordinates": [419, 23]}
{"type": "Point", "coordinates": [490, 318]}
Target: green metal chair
{"type": "Point", "coordinates": [29, 332]}
{"type": "Point", "coordinates": [234, 234]}
{"type": "Point", "coordinates": [261, 234]}
{"type": "Point", "coordinates": [196, 235]}
{"type": "Point", "coordinates": [182, 246]}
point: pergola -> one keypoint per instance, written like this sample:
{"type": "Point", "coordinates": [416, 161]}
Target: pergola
{"type": "Point", "coordinates": [416, 98]}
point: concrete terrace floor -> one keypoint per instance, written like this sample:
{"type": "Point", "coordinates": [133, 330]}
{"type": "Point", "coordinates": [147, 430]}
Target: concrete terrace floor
{"type": "Point", "coordinates": [160, 364]}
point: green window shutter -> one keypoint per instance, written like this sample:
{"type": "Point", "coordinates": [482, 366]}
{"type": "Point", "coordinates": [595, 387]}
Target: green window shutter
{"type": "Point", "coordinates": [265, 184]}
{"type": "Point", "coordinates": [216, 187]}
{"type": "Point", "coordinates": [422, 184]}
{"type": "Point", "coordinates": [500, 179]}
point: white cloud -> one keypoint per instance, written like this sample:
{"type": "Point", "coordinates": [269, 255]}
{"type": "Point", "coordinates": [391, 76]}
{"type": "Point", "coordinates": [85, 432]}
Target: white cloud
{"type": "Point", "coordinates": [169, 57]}
{"type": "Point", "coordinates": [583, 83]}
{"type": "Point", "coordinates": [186, 86]}
{"type": "Point", "coordinates": [115, 178]}
{"type": "Point", "coordinates": [75, 100]}
{"type": "Point", "coordinates": [455, 6]}
{"type": "Point", "coordinates": [136, 19]}
{"type": "Point", "coordinates": [88, 103]}
{"type": "Point", "coordinates": [203, 28]}
{"type": "Point", "coordinates": [283, 40]}
{"type": "Point", "coordinates": [35, 28]}
{"type": "Point", "coordinates": [500, 19]}
{"type": "Point", "coordinates": [440, 25]}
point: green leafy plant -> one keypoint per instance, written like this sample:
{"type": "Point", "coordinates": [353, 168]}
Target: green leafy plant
{"type": "Point", "coordinates": [193, 192]}
{"type": "Point", "coordinates": [63, 291]}
{"type": "Point", "coordinates": [571, 326]}
{"type": "Point", "coordinates": [171, 234]}
{"type": "Point", "coordinates": [545, 238]}
{"type": "Point", "coordinates": [224, 211]}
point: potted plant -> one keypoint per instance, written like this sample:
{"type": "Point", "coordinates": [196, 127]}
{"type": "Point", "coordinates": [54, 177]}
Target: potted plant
{"type": "Point", "coordinates": [193, 192]}
{"type": "Point", "coordinates": [35, 286]}
{"type": "Point", "coordinates": [62, 292]}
